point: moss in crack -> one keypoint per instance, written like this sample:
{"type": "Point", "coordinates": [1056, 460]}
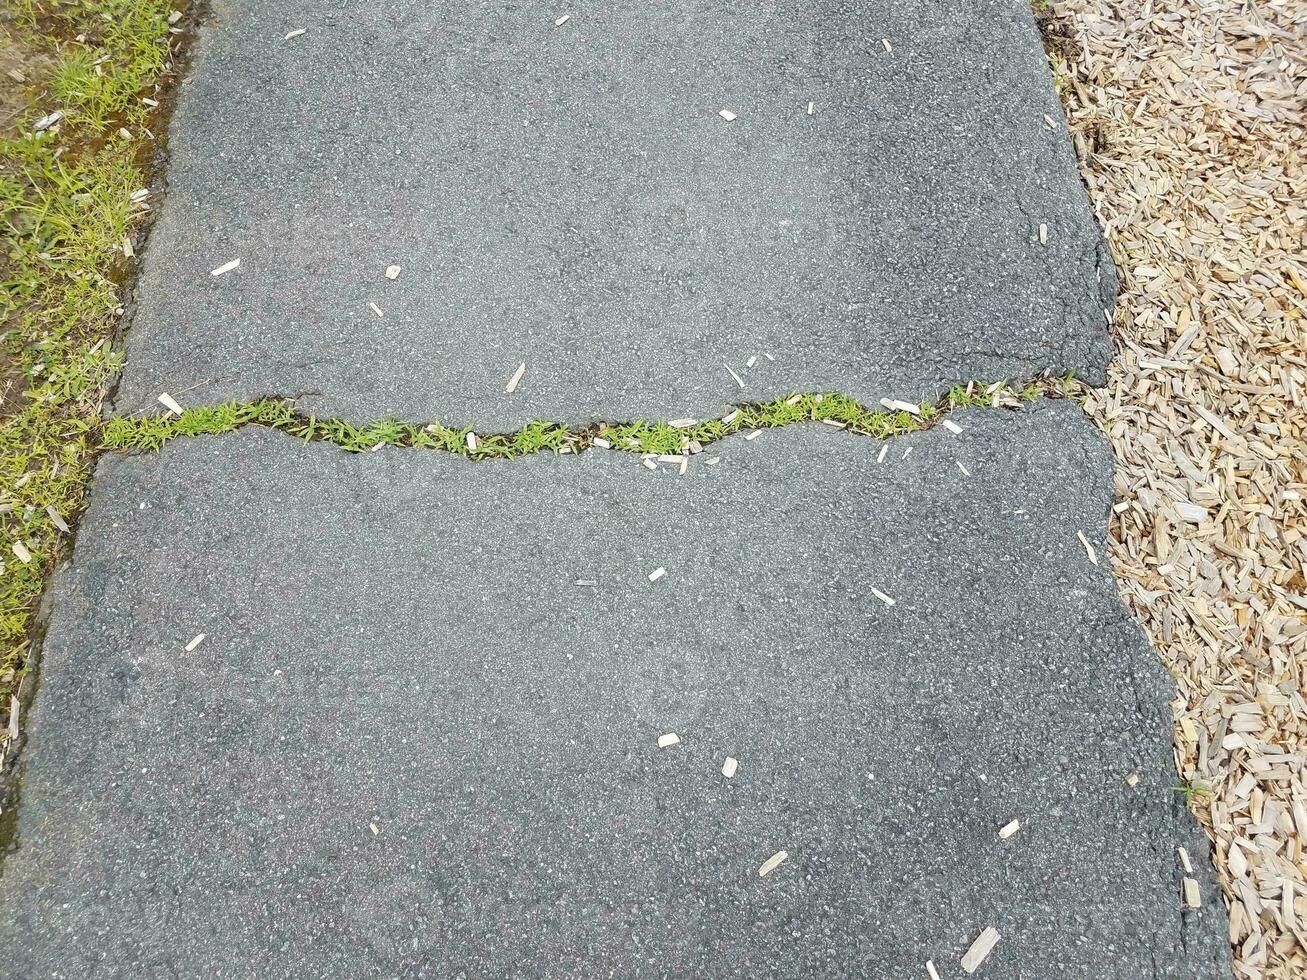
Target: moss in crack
{"type": "Point", "coordinates": [152, 432]}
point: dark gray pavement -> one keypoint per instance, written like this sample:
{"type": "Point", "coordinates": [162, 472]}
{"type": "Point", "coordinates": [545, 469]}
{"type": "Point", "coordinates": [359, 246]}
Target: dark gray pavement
{"type": "Point", "coordinates": [569, 197]}
{"type": "Point", "coordinates": [411, 746]}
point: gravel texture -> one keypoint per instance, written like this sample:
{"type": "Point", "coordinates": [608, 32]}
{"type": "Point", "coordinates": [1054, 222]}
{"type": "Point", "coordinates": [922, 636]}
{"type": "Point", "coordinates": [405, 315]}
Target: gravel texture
{"type": "Point", "coordinates": [410, 745]}
{"type": "Point", "coordinates": [570, 198]}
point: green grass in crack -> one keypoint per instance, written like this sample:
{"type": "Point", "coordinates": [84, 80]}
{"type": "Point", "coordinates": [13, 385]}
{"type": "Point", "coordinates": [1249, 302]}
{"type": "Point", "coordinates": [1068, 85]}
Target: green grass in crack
{"type": "Point", "coordinates": [152, 432]}
{"type": "Point", "coordinates": [65, 209]}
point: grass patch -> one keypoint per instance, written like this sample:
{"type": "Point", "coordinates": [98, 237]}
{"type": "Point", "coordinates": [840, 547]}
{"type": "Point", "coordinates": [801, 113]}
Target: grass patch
{"type": "Point", "coordinates": [66, 208]}
{"type": "Point", "coordinates": [151, 432]}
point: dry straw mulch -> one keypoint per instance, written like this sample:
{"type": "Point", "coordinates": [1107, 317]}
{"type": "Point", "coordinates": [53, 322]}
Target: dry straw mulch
{"type": "Point", "coordinates": [1189, 120]}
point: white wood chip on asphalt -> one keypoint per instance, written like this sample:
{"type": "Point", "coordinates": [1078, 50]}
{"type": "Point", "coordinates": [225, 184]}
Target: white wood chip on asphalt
{"type": "Point", "coordinates": [1090, 553]}
{"type": "Point", "coordinates": [772, 863]}
{"type": "Point", "coordinates": [516, 379]}
{"type": "Point", "coordinates": [980, 949]}
{"type": "Point", "coordinates": [671, 738]}
{"type": "Point", "coordinates": [226, 267]}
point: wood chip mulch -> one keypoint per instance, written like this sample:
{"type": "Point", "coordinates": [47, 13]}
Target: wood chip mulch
{"type": "Point", "coordinates": [1189, 120]}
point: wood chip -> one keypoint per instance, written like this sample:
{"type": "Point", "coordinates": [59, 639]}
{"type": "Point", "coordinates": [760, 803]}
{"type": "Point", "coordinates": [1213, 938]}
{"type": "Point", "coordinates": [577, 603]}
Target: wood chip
{"type": "Point", "coordinates": [128, 251]}
{"type": "Point", "coordinates": [516, 379]}
{"type": "Point", "coordinates": [1185, 863]}
{"type": "Point", "coordinates": [649, 464]}
{"type": "Point", "coordinates": [375, 309]}
{"type": "Point", "coordinates": [728, 115]}
{"type": "Point", "coordinates": [894, 405]}
{"type": "Point", "coordinates": [1193, 897]}
{"type": "Point", "coordinates": [980, 949]}
{"type": "Point", "coordinates": [657, 573]}
{"type": "Point", "coordinates": [884, 451]}
{"type": "Point", "coordinates": [885, 42]}
{"type": "Point", "coordinates": [729, 767]}
{"type": "Point", "coordinates": [45, 122]}
{"type": "Point", "coordinates": [1043, 234]}
{"type": "Point", "coordinates": [56, 519]}
{"type": "Point", "coordinates": [931, 972]}
{"type": "Point", "coordinates": [374, 828]}
{"type": "Point", "coordinates": [1009, 829]}
{"type": "Point", "coordinates": [671, 738]}
{"type": "Point", "coordinates": [738, 380]}
{"type": "Point", "coordinates": [1132, 779]}
{"type": "Point", "coordinates": [472, 442]}
{"type": "Point", "coordinates": [170, 403]}
{"type": "Point", "coordinates": [1202, 404]}
{"type": "Point", "coordinates": [20, 552]}
{"type": "Point", "coordinates": [751, 362]}
{"type": "Point", "coordinates": [772, 863]}
{"type": "Point", "coordinates": [882, 597]}
{"type": "Point", "coordinates": [683, 423]}
{"type": "Point", "coordinates": [562, 20]}
{"type": "Point", "coordinates": [961, 469]}
{"type": "Point", "coordinates": [601, 442]}
{"type": "Point", "coordinates": [753, 435]}
{"type": "Point", "coordinates": [1090, 553]}
{"type": "Point", "coordinates": [810, 108]}
{"type": "Point", "coordinates": [586, 583]}
{"type": "Point", "coordinates": [393, 271]}
{"type": "Point", "coordinates": [195, 642]}
{"type": "Point", "coordinates": [296, 33]}
{"type": "Point", "coordinates": [226, 267]}
{"type": "Point", "coordinates": [731, 417]}
{"type": "Point", "coordinates": [951, 426]}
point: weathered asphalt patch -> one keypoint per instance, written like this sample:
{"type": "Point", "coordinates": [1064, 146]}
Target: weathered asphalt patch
{"type": "Point", "coordinates": [411, 745]}
{"type": "Point", "coordinates": [570, 197]}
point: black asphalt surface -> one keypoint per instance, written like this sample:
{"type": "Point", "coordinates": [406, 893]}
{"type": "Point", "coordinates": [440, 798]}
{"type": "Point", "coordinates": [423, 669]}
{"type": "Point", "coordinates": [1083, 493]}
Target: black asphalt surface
{"type": "Point", "coordinates": [420, 736]}
{"type": "Point", "coordinates": [569, 197]}
{"type": "Point", "coordinates": [412, 746]}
